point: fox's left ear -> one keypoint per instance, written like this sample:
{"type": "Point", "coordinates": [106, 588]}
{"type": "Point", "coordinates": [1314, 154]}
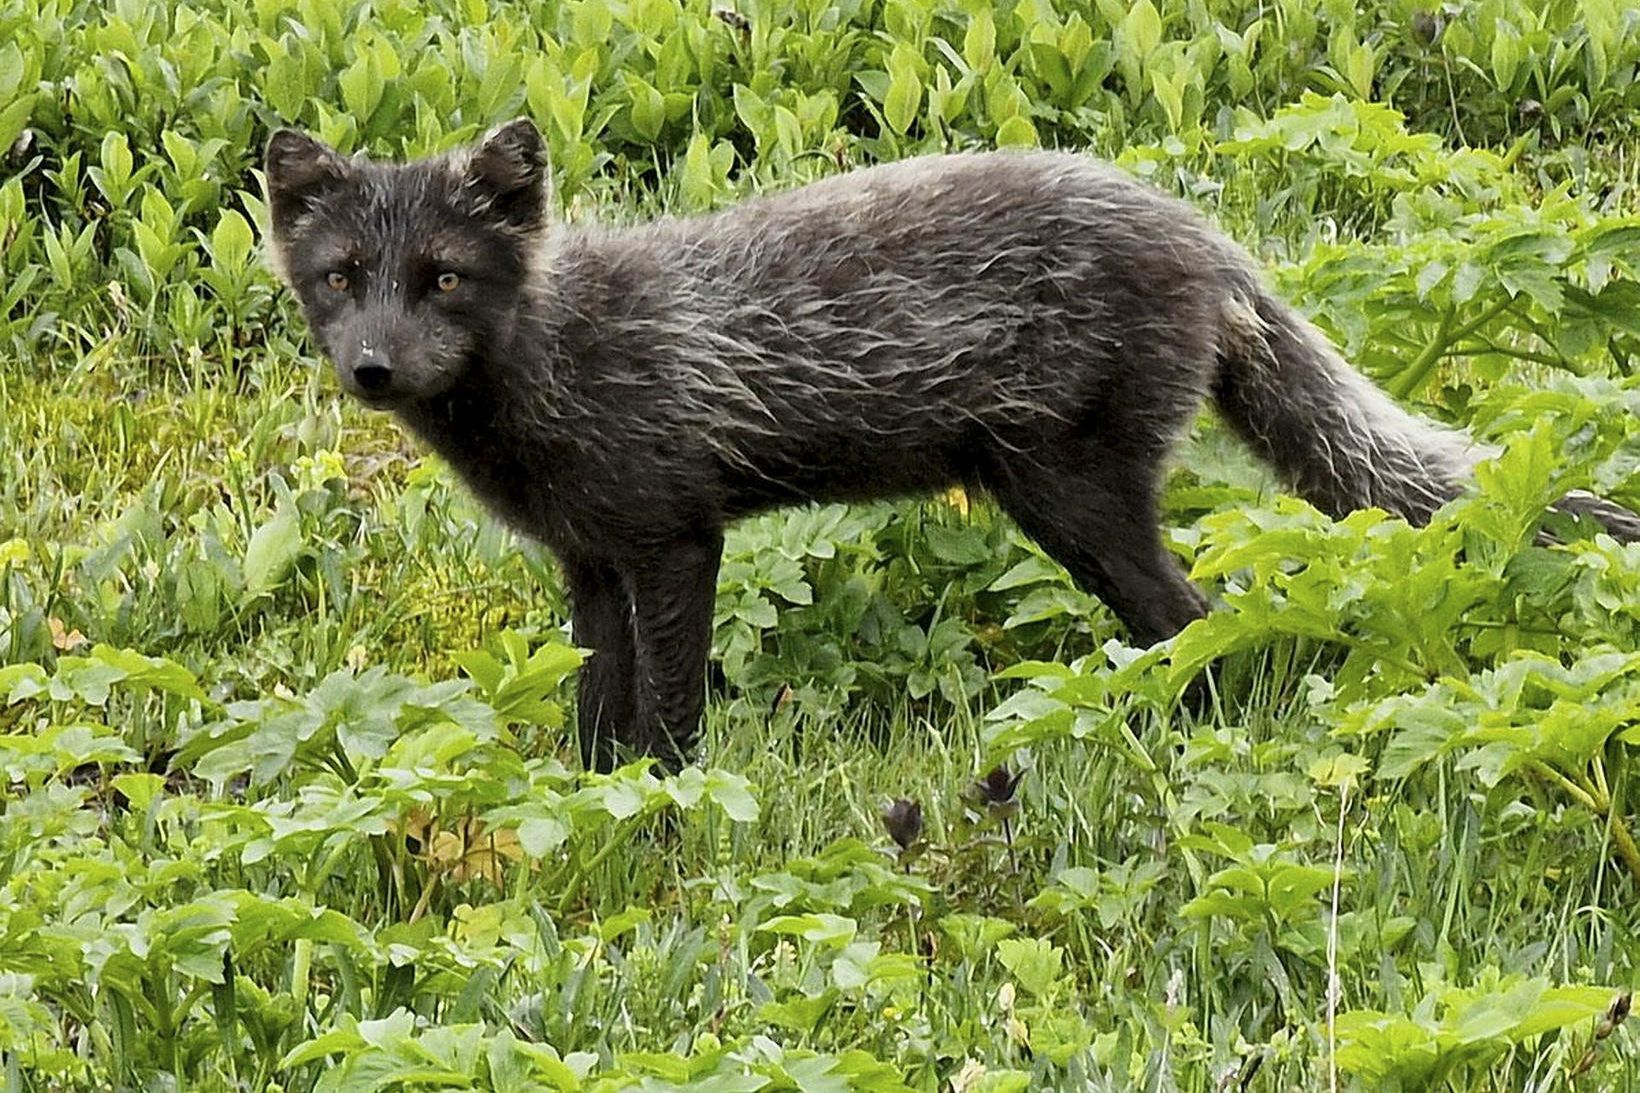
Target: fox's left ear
{"type": "Point", "coordinates": [508, 174]}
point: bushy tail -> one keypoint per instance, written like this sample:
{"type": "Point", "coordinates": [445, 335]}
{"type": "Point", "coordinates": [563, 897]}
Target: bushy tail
{"type": "Point", "coordinates": [1620, 523]}
{"type": "Point", "coordinates": [1340, 441]}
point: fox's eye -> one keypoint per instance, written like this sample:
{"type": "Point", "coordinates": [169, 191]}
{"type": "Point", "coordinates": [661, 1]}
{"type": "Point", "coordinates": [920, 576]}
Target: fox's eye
{"type": "Point", "coordinates": [337, 280]}
{"type": "Point", "coordinates": [447, 281]}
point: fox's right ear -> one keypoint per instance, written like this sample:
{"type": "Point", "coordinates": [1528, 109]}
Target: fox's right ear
{"type": "Point", "coordinates": [299, 169]}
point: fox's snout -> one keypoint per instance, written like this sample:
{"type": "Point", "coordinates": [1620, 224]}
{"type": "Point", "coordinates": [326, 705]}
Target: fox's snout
{"type": "Point", "coordinates": [372, 373]}
{"type": "Point", "coordinates": [382, 364]}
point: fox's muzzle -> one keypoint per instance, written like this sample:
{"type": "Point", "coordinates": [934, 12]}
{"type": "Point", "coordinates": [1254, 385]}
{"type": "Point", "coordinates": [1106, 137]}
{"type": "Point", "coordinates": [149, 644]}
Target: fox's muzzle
{"type": "Point", "coordinates": [372, 373]}
{"type": "Point", "coordinates": [381, 361]}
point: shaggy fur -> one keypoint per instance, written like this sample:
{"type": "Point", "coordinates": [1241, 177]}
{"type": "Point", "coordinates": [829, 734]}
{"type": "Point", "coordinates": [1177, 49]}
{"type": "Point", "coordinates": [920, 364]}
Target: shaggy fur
{"type": "Point", "coordinates": [1038, 325]}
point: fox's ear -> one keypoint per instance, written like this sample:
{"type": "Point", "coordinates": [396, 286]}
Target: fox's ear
{"type": "Point", "coordinates": [299, 169]}
{"type": "Point", "coordinates": [507, 173]}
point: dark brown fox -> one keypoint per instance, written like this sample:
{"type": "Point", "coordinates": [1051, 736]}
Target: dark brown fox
{"type": "Point", "coordinates": [1038, 325]}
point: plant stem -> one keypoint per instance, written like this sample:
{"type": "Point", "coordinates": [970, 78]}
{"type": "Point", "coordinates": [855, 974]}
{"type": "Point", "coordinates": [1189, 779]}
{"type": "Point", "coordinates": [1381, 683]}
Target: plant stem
{"type": "Point", "coordinates": [1477, 348]}
{"type": "Point", "coordinates": [580, 875]}
{"type": "Point", "coordinates": [1603, 791]}
{"type": "Point", "coordinates": [1582, 795]}
{"type": "Point", "coordinates": [1412, 377]}
{"type": "Point", "coordinates": [300, 962]}
{"type": "Point", "coordinates": [1333, 982]}
{"type": "Point", "coordinates": [426, 898]}
{"type": "Point", "coordinates": [1623, 839]}
{"type": "Point", "coordinates": [1598, 803]}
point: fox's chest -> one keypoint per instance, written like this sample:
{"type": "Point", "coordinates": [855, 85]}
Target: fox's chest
{"type": "Point", "coordinates": [590, 495]}
{"type": "Point", "coordinates": [502, 469]}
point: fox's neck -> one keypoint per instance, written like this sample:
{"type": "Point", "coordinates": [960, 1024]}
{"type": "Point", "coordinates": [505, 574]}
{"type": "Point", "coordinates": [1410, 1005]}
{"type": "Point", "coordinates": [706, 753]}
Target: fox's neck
{"type": "Point", "coordinates": [461, 424]}
{"type": "Point", "coordinates": [504, 389]}
{"type": "Point", "coordinates": [497, 429]}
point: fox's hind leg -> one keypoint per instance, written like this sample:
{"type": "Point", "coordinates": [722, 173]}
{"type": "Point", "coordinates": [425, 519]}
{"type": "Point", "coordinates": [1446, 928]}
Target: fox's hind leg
{"type": "Point", "coordinates": [1094, 509]}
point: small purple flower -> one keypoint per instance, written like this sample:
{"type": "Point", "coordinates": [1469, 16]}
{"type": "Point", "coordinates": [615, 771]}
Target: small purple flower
{"type": "Point", "coordinates": [904, 820]}
{"type": "Point", "coordinates": [996, 789]}
{"type": "Point", "coordinates": [1426, 26]}
{"type": "Point", "coordinates": [1616, 1014]}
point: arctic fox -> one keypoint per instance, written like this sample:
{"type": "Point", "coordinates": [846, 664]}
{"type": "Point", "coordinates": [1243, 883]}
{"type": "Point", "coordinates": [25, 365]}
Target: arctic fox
{"type": "Point", "coordinates": [1038, 325]}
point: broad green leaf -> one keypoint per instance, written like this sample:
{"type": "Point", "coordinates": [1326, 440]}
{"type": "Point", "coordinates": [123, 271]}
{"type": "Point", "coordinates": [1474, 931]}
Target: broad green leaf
{"type": "Point", "coordinates": [1036, 964]}
{"type": "Point", "coordinates": [272, 550]}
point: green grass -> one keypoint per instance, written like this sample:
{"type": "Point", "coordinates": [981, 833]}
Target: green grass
{"type": "Point", "coordinates": [295, 854]}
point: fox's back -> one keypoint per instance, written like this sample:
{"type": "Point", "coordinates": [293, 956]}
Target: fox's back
{"type": "Point", "coordinates": [979, 254]}
{"type": "Point", "coordinates": [931, 304]}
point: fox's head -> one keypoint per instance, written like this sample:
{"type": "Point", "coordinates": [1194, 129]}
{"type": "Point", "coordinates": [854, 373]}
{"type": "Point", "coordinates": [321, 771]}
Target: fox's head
{"type": "Point", "coordinates": [407, 272]}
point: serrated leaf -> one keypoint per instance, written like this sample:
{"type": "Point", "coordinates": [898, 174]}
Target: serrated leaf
{"type": "Point", "coordinates": [1036, 964]}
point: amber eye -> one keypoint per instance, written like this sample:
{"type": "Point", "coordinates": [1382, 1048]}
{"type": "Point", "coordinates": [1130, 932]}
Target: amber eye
{"type": "Point", "coordinates": [448, 281]}
{"type": "Point", "coordinates": [337, 280]}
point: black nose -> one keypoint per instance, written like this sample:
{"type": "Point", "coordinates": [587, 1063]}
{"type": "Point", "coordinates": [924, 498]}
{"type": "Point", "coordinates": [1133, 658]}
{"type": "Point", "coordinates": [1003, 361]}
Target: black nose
{"type": "Point", "coordinates": [373, 376]}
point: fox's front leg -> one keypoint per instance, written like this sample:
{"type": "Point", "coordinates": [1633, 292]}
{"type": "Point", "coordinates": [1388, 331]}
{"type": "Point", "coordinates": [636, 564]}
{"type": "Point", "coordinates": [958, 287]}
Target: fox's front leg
{"type": "Point", "coordinates": [673, 592]}
{"type": "Point", "coordinates": [601, 620]}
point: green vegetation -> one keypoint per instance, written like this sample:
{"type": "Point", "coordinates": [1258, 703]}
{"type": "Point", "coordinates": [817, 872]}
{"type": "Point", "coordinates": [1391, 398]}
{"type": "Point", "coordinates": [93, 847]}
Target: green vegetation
{"type": "Point", "coordinates": [290, 803]}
